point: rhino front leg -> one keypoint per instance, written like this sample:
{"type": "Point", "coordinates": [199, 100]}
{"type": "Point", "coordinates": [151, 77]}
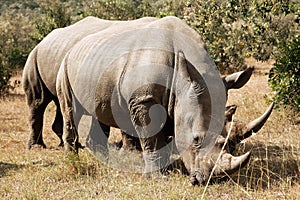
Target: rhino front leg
{"type": "Point", "coordinates": [130, 141]}
{"type": "Point", "coordinates": [148, 123]}
{"type": "Point", "coordinates": [155, 154]}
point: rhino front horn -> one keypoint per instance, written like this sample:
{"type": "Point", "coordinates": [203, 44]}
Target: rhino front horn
{"type": "Point", "coordinates": [229, 163]}
{"type": "Point", "coordinates": [255, 125]}
{"type": "Point", "coordinates": [239, 161]}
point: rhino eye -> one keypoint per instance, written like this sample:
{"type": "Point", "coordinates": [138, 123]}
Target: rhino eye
{"type": "Point", "coordinates": [196, 139]}
{"type": "Point", "coordinates": [220, 141]}
{"type": "Point", "coordinates": [221, 144]}
{"type": "Point", "coordinates": [197, 142]}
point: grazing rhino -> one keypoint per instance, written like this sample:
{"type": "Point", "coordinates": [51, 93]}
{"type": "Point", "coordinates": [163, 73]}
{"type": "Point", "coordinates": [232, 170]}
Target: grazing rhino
{"type": "Point", "coordinates": [40, 72]}
{"type": "Point", "coordinates": [156, 79]}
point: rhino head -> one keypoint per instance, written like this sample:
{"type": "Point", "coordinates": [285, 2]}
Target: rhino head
{"type": "Point", "coordinates": [217, 162]}
{"type": "Point", "coordinates": [200, 146]}
{"type": "Point", "coordinates": [220, 156]}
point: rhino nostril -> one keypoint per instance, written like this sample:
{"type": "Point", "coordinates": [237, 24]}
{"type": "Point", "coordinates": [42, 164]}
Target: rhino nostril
{"type": "Point", "coordinates": [194, 180]}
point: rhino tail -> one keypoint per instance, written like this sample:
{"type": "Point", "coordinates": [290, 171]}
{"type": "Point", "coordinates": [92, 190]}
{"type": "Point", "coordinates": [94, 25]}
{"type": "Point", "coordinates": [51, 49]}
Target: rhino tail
{"type": "Point", "coordinates": [34, 87]}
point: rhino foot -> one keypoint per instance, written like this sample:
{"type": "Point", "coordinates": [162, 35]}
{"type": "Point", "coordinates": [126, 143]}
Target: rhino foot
{"type": "Point", "coordinates": [36, 146]}
{"type": "Point", "coordinates": [61, 144]}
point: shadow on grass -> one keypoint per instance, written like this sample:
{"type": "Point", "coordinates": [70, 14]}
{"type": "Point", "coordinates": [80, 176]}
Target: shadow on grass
{"type": "Point", "coordinates": [270, 165]}
{"type": "Point", "coordinates": [12, 96]}
{"type": "Point", "coordinates": [5, 167]}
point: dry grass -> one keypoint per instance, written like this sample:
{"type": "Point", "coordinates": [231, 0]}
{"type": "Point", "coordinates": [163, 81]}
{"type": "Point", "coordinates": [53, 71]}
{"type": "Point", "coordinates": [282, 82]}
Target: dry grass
{"type": "Point", "coordinates": [272, 173]}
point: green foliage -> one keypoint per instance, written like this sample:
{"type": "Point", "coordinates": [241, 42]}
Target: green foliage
{"type": "Point", "coordinates": [5, 75]}
{"type": "Point", "coordinates": [234, 30]}
{"type": "Point", "coordinates": [231, 29]}
{"type": "Point", "coordinates": [218, 23]}
{"type": "Point", "coordinates": [130, 9]}
{"type": "Point", "coordinates": [272, 23]}
{"type": "Point", "coordinates": [14, 46]}
{"type": "Point", "coordinates": [284, 77]}
{"type": "Point", "coordinates": [56, 16]}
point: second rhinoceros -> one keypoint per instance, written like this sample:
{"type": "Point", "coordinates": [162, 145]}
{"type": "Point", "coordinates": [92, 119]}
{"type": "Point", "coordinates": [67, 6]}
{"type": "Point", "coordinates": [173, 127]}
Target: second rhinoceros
{"type": "Point", "coordinates": [40, 71]}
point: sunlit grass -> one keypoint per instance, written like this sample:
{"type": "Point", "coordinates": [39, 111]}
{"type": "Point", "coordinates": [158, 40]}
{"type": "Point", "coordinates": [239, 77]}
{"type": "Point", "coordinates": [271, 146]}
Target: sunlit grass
{"type": "Point", "coordinates": [272, 172]}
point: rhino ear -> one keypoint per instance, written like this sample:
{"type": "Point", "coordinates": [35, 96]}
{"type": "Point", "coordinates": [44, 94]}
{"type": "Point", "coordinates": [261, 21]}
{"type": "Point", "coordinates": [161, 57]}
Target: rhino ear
{"type": "Point", "coordinates": [230, 110]}
{"type": "Point", "coordinates": [182, 66]}
{"type": "Point", "coordinates": [238, 79]}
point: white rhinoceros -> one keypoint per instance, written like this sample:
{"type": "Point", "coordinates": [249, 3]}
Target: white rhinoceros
{"type": "Point", "coordinates": [156, 79]}
{"type": "Point", "coordinates": [40, 72]}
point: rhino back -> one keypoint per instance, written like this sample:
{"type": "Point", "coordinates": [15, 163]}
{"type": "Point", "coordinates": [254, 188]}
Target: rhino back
{"type": "Point", "coordinates": [137, 52]}
{"type": "Point", "coordinates": [52, 49]}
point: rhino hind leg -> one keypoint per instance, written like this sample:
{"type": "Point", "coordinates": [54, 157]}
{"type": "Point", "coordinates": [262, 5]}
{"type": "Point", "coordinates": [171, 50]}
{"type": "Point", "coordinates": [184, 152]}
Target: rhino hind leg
{"type": "Point", "coordinates": [98, 139]}
{"type": "Point", "coordinates": [38, 97]}
{"type": "Point", "coordinates": [36, 118]}
{"type": "Point", "coordinates": [57, 125]}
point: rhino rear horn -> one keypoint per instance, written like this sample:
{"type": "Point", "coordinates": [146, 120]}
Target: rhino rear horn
{"type": "Point", "coordinates": [238, 79]}
{"type": "Point", "coordinates": [255, 125]}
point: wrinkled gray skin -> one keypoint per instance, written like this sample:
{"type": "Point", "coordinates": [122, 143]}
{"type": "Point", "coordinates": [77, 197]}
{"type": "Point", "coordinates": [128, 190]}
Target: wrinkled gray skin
{"type": "Point", "coordinates": [237, 129]}
{"type": "Point", "coordinates": [40, 72]}
{"type": "Point", "coordinates": [236, 80]}
{"type": "Point", "coordinates": [41, 68]}
{"type": "Point", "coordinates": [93, 81]}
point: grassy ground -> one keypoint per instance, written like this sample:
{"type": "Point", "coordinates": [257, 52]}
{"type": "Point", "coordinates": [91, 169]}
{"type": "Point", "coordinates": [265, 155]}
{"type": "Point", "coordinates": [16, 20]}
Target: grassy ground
{"type": "Point", "coordinates": [272, 172]}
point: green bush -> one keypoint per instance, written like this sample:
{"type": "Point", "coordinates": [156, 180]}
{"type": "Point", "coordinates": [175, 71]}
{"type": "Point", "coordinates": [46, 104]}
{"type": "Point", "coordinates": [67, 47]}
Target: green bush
{"type": "Point", "coordinates": [284, 78]}
{"type": "Point", "coordinates": [5, 75]}
{"type": "Point", "coordinates": [119, 9]}
{"type": "Point", "coordinates": [15, 45]}
{"type": "Point", "coordinates": [56, 15]}
{"type": "Point", "coordinates": [234, 29]}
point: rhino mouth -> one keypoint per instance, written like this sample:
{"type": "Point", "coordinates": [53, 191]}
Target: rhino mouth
{"type": "Point", "coordinates": [198, 178]}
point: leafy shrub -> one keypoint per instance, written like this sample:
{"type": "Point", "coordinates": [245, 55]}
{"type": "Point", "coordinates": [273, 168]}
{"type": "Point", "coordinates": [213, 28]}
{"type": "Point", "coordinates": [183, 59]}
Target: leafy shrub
{"type": "Point", "coordinates": [234, 30]}
{"type": "Point", "coordinates": [214, 20]}
{"type": "Point", "coordinates": [5, 75]}
{"type": "Point", "coordinates": [15, 46]}
{"type": "Point", "coordinates": [56, 15]}
{"type": "Point", "coordinates": [284, 78]}
{"type": "Point", "coordinates": [118, 10]}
